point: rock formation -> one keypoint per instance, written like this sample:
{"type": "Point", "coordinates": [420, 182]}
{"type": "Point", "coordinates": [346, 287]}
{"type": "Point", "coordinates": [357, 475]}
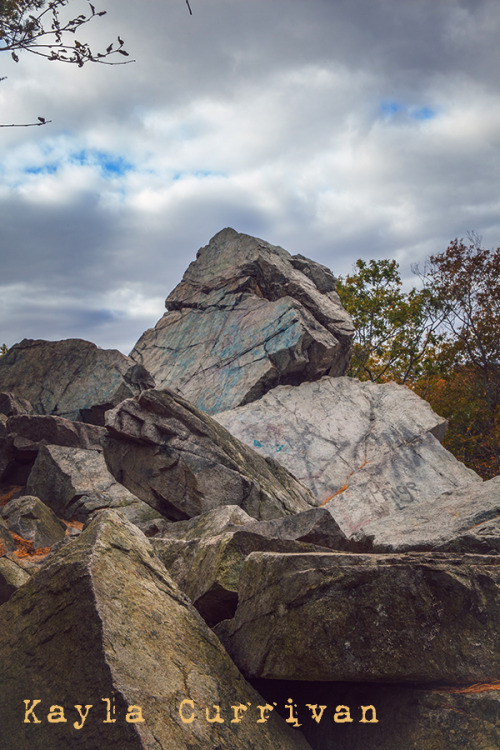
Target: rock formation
{"type": "Point", "coordinates": [366, 451]}
{"type": "Point", "coordinates": [183, 463]}
{"type": "Point", "coordinates": [346, 560]}
{"type": "Point", "coordinates": [385, 618]}
{"type": "Point", "coordinates": [73, 378]}
{"type": "Point", "coordinates": [115, 626]}
{"type": "Point", "coordinates": [246, 317]}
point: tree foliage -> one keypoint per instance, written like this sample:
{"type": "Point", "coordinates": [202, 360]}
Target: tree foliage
{"type": "Point", "coordinates": [395, 331]}
{"type": "Point", "coordinates": [443, 340]}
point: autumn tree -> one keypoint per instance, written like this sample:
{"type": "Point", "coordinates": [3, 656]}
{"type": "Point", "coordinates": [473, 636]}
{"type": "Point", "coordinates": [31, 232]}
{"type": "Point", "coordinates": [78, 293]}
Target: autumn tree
{"type": "Point", "coordinates": [465, 385]}
{"type": "Point", "coordinates": [441, 339]}
{"type": "Point", "coordinates": [394, 331]}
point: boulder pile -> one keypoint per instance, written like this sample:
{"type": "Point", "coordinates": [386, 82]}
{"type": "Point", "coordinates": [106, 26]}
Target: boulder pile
{"type": "Point", "coordinates": [222, 542]}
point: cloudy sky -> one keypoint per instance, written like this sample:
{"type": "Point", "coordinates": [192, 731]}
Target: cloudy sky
{"type": "Point", "coordinates": [338, 129]}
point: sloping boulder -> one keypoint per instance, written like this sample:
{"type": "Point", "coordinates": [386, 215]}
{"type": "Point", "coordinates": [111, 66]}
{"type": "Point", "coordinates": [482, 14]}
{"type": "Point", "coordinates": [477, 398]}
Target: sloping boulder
{"type": "Point", "coordinates": [71, 378]}
{"type": "Point", "coordinates": [367, 451]}
{"type": "Point", "coordinates": [462, 520]}
{"type": "Point", "coordinates": [372, 618]}
{"type": "Point", "coordinates": [75, 483]}
{"type": "Point", "coordinates": [183, 463]}
{"type": "Point", "coordinates": [33, 520]}
{"type": "Point", "coordinates": [246, 317]}
{"type": "Point", "coordinates": [104, 628]}
{"type": "Point", "coordinates": [314, 526]}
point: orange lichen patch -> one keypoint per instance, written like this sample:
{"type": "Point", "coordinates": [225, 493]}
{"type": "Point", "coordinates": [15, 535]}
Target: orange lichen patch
{"type": "Point", "coordinates": [9, 494]}
{"type": "Point", "coordinates": [2, 551]}
{"type": "Point", "coordinates": [477, 687]}
{"type": "Point", "coordinates": [26, 548]}
{"type": "Point", "coordinates": [345, 486]}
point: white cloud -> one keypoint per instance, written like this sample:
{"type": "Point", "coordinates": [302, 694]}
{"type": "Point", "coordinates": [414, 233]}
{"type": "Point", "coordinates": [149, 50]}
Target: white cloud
{"type": "Point", "coordinates": [338, 130]}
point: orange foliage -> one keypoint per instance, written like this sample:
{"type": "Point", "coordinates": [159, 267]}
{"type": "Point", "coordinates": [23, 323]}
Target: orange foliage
{"type": "Point", "coordinates": [73, 524]}
{"type": "Point", "coordinates": [26, 548]}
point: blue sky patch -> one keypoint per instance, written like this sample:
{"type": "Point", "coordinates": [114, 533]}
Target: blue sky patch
{"type": "Point", "coordinates": [46, 169]}
{"type": "Point", "coordinates": [391, 108]}
{"type": "Point", "coordinates": [109, 164]}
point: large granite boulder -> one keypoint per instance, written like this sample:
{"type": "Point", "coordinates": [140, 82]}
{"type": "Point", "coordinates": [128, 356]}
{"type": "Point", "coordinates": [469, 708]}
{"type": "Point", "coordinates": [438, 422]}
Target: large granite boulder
{"type": "Point", "coordinates": [75, 483]}
{"type": "Point", "coordinates": [102, 633]}
{"type": "Point", "coordinates": [71, 378]}
{"type": "Point", "coordinates": [367, 451]}
{"type": "Point", "coordinates": [246, 317]}
{"type": "Point", "coordinates": [183, 463]}
{"type": "Point", "coordinates": [27, 432]}
{"type": "Point", "coordinates": [372, 618]}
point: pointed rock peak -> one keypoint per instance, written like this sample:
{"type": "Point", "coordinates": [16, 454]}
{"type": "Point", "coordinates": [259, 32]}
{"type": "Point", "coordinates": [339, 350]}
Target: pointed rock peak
{"type": "Point", "coordinates": [247, 316]}
{"type": "Point", "coordinates": [266, 270]}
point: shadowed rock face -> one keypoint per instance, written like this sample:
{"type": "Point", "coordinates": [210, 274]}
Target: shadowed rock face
{"type": "Point", "coordinates": [72, 378]}
{"type": "Point", "coordinates": [103, 619]}
{"type": "Point", "coordinates": [183, 463]}
{"type": "Point", "coordinates": [409, 717]}
{"type": "Point", "coordinates": [372, 618]}
{"type": "Point", "coordinates": [246, 317]}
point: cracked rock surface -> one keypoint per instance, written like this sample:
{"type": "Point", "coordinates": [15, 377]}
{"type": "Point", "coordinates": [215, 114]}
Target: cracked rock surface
{"type": "Point", "coordinates": [75, 483]}
{"type": "Point", "coordinates": [71, 378]}
{"type": "Point", "coordinates": [373, 618]}
{"type": "Point", "coordinates": [367, 451]}
{"type": "Point", "coordinates": [183, 463]}
{"type": "Point", "coordinates": [103, 619]}
{"type": "Point", "coordinates": [246, 317]}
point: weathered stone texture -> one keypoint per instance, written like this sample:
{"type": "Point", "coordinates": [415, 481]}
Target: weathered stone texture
{"type": "Point", "coordinates": [208, 569]}
{"type": "Point", "coordinates": [246, 317]}
{"type": "Point", "coordinates": [102, 618]}
{"type": "Point", "coordinates": [12, 577]}
{"type": "Point", "coordinates": [33, 520]}
{"type": "Point", "coordinates": [76, 482]}
{"type": "Point", "coordinates": [71, 378]}
{"type": "Point", "coordinates": [463, 520]}
{"type": "Point", "coordinates": [366, 451]}
{"type": "Point", "coordinates": [183, 463]}
{"type": "Point", "coordinates": [372, 618]}
{"type": "Point", "coordinates": [27, 432]}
